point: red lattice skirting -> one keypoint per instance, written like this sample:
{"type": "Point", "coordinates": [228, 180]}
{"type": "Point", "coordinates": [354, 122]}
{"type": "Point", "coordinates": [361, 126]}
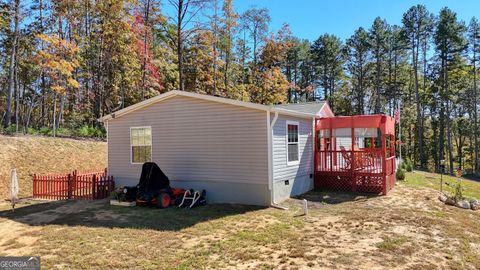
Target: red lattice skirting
{"type": "Point", "coordinates": [358, 182]}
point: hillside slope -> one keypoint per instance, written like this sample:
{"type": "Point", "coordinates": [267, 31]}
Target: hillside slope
{"type": "Point", "coordinates": [43, 155]}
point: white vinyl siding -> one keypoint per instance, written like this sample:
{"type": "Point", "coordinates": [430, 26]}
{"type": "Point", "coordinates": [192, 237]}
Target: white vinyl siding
{"type": "Point", "coordinates": [290, 180]}
{"type": "Point", "coordinates": [198, 143]}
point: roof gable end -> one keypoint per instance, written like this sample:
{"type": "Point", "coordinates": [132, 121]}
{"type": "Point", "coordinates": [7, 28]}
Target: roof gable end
{"type": "Point", "coordinates": [233, 102]}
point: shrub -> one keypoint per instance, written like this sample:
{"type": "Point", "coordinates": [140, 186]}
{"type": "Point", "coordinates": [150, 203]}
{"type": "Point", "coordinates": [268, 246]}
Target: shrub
{"type": "Point", "coordinates": [90, 132]}
{"type": "Point", "coordinates": [458, 193]}
{"type": "Point", "coordinates": [45, 131]}
{"type": "Point", "coordinates": [409, 167]}
{"type": "Point", "coordinates": [63, 132]}
{"type": "Point", "coordinates": [32, 131]}
{"type": "Point", "coordinates": [12, 129]}
{"type": "Point", "coordinates": [400, 175]}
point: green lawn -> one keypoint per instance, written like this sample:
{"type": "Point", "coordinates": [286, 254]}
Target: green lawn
{"type": "Point", "coordinates": [471, 189]}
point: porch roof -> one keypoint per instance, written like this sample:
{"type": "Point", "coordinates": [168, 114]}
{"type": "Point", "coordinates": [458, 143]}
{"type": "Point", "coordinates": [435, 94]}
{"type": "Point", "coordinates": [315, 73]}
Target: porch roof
{"type": "Point", "coordinates": [385, 123]}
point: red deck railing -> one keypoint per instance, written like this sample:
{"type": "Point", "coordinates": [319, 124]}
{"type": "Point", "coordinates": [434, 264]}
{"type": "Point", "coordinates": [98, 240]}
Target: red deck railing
{"type": "Point", "coordinates": [77, 186]}
{"type": "Point", "coordinates": [364, 160]}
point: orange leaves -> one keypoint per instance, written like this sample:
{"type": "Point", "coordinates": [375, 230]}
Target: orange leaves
{"type": "Point", "coordinates": [271, 87]}
{"type": "Point", "coordinates": [58, 60]}
{"type": "Point", "coordinates": [73, 83]}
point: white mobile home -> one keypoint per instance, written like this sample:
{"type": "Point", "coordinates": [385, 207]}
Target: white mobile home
{"type": "Point", "coordinates": [240, 152]}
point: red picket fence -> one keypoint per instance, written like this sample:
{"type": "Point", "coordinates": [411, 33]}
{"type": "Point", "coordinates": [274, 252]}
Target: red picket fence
{"type": "Point", "coordinates": [77, 186]}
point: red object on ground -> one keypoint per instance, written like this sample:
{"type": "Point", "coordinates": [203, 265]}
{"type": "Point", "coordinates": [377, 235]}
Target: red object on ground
{"type": "Point", "coordinates": [355, 153]}
{"type": "Point", "coordinates": [167, 198]}
{"type": "Point", "coordinates": [164, 200]}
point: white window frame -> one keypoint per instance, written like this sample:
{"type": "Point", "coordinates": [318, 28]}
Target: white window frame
{"type": "Point", "coordinates": [292, 123]}
{"type": "Point", "coordinates": [151, 145]}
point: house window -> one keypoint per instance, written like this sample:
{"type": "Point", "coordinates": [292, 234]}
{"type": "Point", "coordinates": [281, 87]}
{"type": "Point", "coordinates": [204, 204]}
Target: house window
{"type": "Point", "coordinates": [292, 143]}
{"type": "Point", "coordinates": [141, 144]}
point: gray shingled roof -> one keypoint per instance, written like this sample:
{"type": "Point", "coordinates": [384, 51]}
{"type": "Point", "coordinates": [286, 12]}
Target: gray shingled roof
{"type": "Point", "coordinates": [305, 107]}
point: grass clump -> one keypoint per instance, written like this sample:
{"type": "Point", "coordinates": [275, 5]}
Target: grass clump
{"type": "Point", "coordinates": [392, 243]}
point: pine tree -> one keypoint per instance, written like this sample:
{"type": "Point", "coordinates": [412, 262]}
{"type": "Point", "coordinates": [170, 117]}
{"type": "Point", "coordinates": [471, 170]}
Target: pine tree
{"type": "Point", "coordinates": [358, 53]}
{"type": "Point", "coordinates": [449, 44]}
{"type": "Point", "coordinates": [417, 25]}
{"type": "Point", "coordinates": [378, 41]}
{"type": "Point", "coordinates": [256, 22]}
{"type": "Point", "coordinates": [328, 59]}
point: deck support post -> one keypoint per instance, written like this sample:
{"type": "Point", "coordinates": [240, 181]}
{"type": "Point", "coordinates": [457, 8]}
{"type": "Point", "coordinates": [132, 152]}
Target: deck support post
{"type": "Point", "coordinates": [352, 175]}
{"type": "Point", "coordinates": [384, 162]}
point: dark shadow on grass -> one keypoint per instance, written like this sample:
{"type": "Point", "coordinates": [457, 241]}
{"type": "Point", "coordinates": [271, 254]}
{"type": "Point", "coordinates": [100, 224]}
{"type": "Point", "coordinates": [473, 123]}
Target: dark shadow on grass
{"type": "Point", "coordinates": [335, 197]}
{"type": "Point", "coordinates": [472, 177]}
{"type": "Point", "coordinates": [101, 214]}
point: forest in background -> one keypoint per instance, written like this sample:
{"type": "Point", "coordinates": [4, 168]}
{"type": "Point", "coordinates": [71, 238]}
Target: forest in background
{"type": "Point", "coordinates": [66, 63]}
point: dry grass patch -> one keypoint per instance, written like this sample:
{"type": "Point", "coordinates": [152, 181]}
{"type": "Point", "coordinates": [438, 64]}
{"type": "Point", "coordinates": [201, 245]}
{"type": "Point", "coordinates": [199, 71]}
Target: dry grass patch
{"type": "Point", "coordinates": [408, 229]}
{"type": "Point", "coordinates": [44, 155]}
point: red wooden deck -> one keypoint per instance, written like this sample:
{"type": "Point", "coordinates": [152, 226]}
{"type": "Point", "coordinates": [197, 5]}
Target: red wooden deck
{"type": "Point", "coordinates": [349, 161]}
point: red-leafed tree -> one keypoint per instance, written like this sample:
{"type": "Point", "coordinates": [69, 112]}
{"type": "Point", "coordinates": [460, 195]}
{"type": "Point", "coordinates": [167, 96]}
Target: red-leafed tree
{"type": "Point", "coordinates": [145, 17]}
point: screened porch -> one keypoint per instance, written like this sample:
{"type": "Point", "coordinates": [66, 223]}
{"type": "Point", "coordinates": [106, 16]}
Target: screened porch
{"type": "Point", "coordinates": [355, 153]}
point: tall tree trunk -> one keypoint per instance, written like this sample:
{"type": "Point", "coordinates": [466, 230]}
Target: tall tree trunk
{"type": "Point", "coordinates": [215, 39]}
{"type": "Point", "coordinates": [12, 65]}
{"type": "Point", "coordinates": [419, 135]}
{"type": "Point", "coordinates": [475, 115]}
{"type": "Point", "coordinates": [441, 146]}
{"type": "Point", "coordinates": [146, 24]}
{"type": "Point", "coordinates": [325, 82]}
{"type": "Point", "coordinates": [254, 52]}
{"type": "Point", "coordinates": [435, 145]}
{"type": "Point", "coordinates": [460, 144]}
{"type": "Point", "coordinates": [60, 113]}
{"type": "Point", "coordinates": [54, 117]}
{"type": "Point", "coordinates": [17, 98]}
{"type": "Point", "coordinates": [43, 83]}
{"type": "Point", "coordinates": [180, 45]}
{"type": "Point", "coordinates": [378, 68]}
{"type": "Point", "coordinates": [227, 58]}
{"type": "Point", "coordinates": [421, 148]}
{"type": "Point", "coordinates": [448, 122]}
{"type": "Point", "coordinates": [244, 56]}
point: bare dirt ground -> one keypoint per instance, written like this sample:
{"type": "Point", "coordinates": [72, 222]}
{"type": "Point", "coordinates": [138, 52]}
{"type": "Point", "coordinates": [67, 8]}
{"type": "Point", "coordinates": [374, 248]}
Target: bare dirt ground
{"type": "Point", "coordinates": [408, 229]}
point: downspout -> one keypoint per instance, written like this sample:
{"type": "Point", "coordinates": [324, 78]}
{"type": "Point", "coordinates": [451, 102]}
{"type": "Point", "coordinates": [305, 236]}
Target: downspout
{"type": "Point", "coordinates": [106, 129]}
{"type": "Point", "coordinates": [270, 125]}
